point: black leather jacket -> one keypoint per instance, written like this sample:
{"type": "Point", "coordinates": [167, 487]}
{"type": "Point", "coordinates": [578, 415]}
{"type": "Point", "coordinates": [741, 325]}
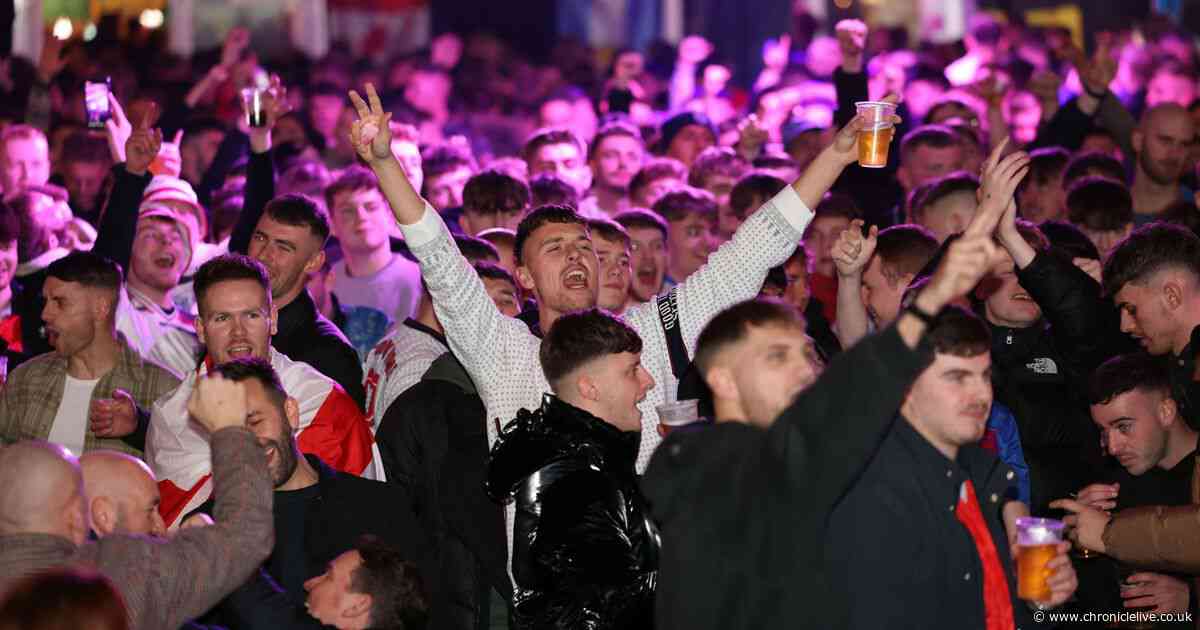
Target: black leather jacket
{"type": "Point", "coordinates": [585, 554]}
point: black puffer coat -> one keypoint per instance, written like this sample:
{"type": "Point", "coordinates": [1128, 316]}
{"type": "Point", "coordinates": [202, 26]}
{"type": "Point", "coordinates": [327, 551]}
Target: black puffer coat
{"type": "Point", "coordinates": [585, 554]}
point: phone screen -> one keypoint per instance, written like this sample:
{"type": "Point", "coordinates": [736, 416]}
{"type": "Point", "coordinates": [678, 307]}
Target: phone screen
{"type": "Point", "coordinates": [95, 100]}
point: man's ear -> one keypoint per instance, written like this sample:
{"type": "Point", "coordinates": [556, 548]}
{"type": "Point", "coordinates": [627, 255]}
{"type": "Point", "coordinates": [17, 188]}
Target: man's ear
{"type": "Point", "coordinates": [1172, 294]}
{"type": "Point", "coordinates": [291, 409]}
{"type": "Point", "coordinates": [1168, 411]}
{"type": "Point", "coordinates": [721, 381]}
{"type": "Point", "coordinates": [274, 317]}
{"type": "Point", "coordinates": [586, 386]}
{"type": "Point", "coordinates": [903, 177]}
{"type": "Point", "coordinates": [314, 262]}
{"type": "Point", "coordinates": [356, 605]}
{"type": "Point", "coordinates": [525, 279]}
{"type": "Point", "coordinates": [103, 516]}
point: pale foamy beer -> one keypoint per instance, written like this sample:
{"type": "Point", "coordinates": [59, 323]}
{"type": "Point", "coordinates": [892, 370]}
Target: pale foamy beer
{"type": "Point", "coordinates": [876, 133]}
{"type": "Point", "coordinates": [1037, 545]}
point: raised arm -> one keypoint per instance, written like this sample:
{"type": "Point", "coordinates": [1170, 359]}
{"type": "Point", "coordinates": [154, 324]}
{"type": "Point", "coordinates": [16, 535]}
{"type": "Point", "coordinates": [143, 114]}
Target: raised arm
{"type": "Point", "coordinates": [850, 256]}
{"type": "Point", "coordinates": [118, 226]}
{"type": "Point", "coordinates": [260, 172]}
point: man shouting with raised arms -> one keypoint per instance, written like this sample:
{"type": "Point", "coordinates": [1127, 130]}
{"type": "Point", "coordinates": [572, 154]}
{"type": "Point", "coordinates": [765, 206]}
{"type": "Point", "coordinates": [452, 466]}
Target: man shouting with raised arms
{"type": "Point", "coordinates": [556, 262]}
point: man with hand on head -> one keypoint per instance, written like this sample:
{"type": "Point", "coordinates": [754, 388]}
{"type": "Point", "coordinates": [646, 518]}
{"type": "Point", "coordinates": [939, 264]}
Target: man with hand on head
{"type": "Point", "coordinates": [43, 520]}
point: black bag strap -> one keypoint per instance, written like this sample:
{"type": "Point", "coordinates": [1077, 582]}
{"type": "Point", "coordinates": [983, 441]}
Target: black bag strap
{"type": "Point", "coordinates": [668, 316]}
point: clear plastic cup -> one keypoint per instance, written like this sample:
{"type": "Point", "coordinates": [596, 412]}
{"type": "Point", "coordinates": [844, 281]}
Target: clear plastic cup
{"type": "Point", "coordinates": [677, 414]}
{"type": "Point", "coordinates": [875, 136]}
{"type": "Point", "coordinates": [1037, 544]}
{"type": "Point", "coordinates": [252, 101]}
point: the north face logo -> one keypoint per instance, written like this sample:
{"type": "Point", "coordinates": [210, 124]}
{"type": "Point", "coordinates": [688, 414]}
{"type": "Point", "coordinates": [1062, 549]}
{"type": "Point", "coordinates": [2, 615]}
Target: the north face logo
{"type": "Point", "coordinates": [1043, 365]}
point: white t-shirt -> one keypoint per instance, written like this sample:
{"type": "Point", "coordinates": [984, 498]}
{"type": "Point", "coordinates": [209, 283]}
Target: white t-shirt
{"type": "Point", "coordinates": [374, 304]}
{"type": "Point", "coordinates": [71, 420]}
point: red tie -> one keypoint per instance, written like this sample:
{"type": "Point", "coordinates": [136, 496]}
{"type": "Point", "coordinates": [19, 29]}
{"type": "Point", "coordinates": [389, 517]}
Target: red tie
{"type": "Point", "coordinates": [997, 603]}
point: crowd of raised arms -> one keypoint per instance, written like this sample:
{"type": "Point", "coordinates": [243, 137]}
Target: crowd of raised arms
{"type": "Point", "coordinates": [900, 335]}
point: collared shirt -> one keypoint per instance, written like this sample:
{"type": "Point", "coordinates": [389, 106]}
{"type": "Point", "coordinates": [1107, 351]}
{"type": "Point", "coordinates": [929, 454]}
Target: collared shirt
{"type": "Point", "coordinates": [35, 391]}
{"type": "Point", "coordinates": [897, 547]}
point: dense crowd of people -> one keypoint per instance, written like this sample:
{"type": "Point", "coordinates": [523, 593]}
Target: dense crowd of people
{"type": "Point", "coordinates": [404, 343]}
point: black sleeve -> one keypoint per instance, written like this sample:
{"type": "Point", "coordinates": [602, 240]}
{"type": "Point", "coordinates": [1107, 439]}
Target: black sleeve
{"type": "Point", "coordinates": [850, 88]}
{"type": "Point", "coordinates": [260, 189]}
{"type": "Point", "coordinates": [1083, 323]}
{"type": "Point", "coordinates": [341, 364]}
{"type": "Point", "coordinates": [832, 429]}
{"type": "Point", "coordinates": [137, 439]}
{"type": "Point", "coordinates": [118, 225]}
{"type": "Point", "coordinates": [261, 604]}
{"type": "Point", "coordinates": [234, 146]}
{"type": "Point", "coordinates": [1065, 129]}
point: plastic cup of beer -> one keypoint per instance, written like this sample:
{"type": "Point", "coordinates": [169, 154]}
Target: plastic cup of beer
{"type": "Point", "coordinates": [677, 414]}
{"type": "Point", "coordinates": [875, 136]}
{"type": "Point", "coordinates": [1037, 545]}
{"type": "Point", "coordinates": [252, 100]}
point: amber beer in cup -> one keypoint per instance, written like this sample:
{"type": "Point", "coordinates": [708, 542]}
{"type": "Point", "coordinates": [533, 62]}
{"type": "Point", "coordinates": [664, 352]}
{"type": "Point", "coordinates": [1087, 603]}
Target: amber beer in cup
{"type": "Point", "coordinates": [876, 133]}
{"type": "Point", "coordinates": [1037, 545]}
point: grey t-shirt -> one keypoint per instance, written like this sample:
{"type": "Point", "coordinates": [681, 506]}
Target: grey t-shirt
{"type": "Point", "coordinates": [375, 303]}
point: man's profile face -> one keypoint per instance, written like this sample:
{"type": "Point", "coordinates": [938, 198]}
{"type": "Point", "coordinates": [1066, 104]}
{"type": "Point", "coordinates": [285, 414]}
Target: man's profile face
{"type": "Point", "coordinates": [69, 315]}
{"type": "Point", "coordinates": [445, 190]}
{"type": "Point", "coordinates": [771, 366]}
{"type": "Point", "coordinates": [1133, 429]}
{"type": "Point", "coordinates": [1145, 317]}
{"type": "Point", "coordinates": [267, 419]}
{"type": "Point", "coordinates": [138, 510]}
{"type": "Point", "coordinates": [882, 295]}
{"type": "Point", "coordinates": [622, 383]}
{"type": "Point", "coordinates": [236, 321]}
{"type": "Point", "coordinates": [329, 593]}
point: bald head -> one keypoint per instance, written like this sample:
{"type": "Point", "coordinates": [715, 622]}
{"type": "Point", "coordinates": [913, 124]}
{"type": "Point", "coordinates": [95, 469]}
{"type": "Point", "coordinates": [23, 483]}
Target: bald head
{"type": "Point", "coordinates": [122, 495]}
{"type": "Point", "coordinates": [43, 491]}
{"type": "Point", "coordinates": [1162, 141]}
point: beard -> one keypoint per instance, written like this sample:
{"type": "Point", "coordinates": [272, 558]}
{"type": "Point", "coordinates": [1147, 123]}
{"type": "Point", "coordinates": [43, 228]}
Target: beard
{"type": "Point", "coordinates": [285, 456]}
{"type": "Point", "coordinates": [1163, 176]}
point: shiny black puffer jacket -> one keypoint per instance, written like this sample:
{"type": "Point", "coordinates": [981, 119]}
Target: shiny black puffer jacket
{"type": "Point", "coordinates": [585, 554]}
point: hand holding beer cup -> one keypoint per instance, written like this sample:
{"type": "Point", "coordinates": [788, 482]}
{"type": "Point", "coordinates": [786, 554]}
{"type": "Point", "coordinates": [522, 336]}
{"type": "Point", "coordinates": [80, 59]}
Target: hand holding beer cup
{"type": "Point", "coordinates": [1045, 575]}
{"type": "Point", "coordinates": [867, 136]}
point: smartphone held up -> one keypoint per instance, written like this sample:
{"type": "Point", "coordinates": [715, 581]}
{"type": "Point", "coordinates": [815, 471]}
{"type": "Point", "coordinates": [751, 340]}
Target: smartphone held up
{"type": "Point", "coordinates": [95, 101]}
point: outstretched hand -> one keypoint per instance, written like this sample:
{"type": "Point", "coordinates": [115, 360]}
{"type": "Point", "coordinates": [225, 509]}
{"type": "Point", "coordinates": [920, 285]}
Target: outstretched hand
{"type": "Point", "coordinates": [852, 250]}
{"type": "Point", "coordinates": [370, 134]}
{"type": "Point", "coordinates": [143, 145]}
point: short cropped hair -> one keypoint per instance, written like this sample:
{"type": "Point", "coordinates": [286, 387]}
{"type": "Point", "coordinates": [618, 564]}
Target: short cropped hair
{"type": "Point", "coordinates": [20, 131]}
{"type": "Point", "coordinates": [837, 205]}
{"type": "Point", "coordinates": [929, 194]}
{"type": "Point", "coordinates": [1069, 240]}
{"type": "Point", "coordinates": [476, 249]}
{"type": "Point", "coordinates": [1045, 165]}
{"type": "Point", "coordinates": [85, 268]}
{"type": "Point", "coordinates": [547, 137]}
{"type": "Point", "coordinates": [677, 205]}
{"type": "Point", "coordinates": [753, 187]}
{"type": "Point", "coordinates": [398, 591]}
{"type": "Point", "coordinates": [227, 268]}
{"type": "Point", "coordinates": [609, 230]}
{"type": "Point", "coordinates": [300, 211]}
{"type": "Point", "coordinates": [1148, 250]}
{"type": "Point", "coordinates": [539, 217]}
{"type": "Point", "coordinates": [353, 179]}
{"type": "Point", "coordinates": [580, 337]}
{"type": "Point", "coordinates": [642, 219]}
{"type": "Point", "coordinates": [495, 272]}
{"type": "Point", "coordinates": [960, 333]}
{"type": "Point", "coordinates": [613, 129]}
{"type": "Point", "coordinates": [85, 147]}
{"type": "Point", "coordinates": [935, 136]}
{"type": "Point", "coordinates": [731, 326]}
{"type": "Point", "coordinates": [905, 249]}
{"type": "Point", "coordinates": [657, 168]}
{"type": "Point", "coordinates": [548, 189]}
{"type": "Point", "coordinates": [1125, 373]}
{"type": "Point", "coordinates": [1099, 203]}
{"type": "Point", "coordinates": [492, 191]}
{"type": "Point", "coordinates": [717, 161]}
{"type": "Point", "coordinates": [1094, 163]}
{"type": "Point", "coordinates": [241, 370]}
{"type": "Point", "coordinates": [439, 159]}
